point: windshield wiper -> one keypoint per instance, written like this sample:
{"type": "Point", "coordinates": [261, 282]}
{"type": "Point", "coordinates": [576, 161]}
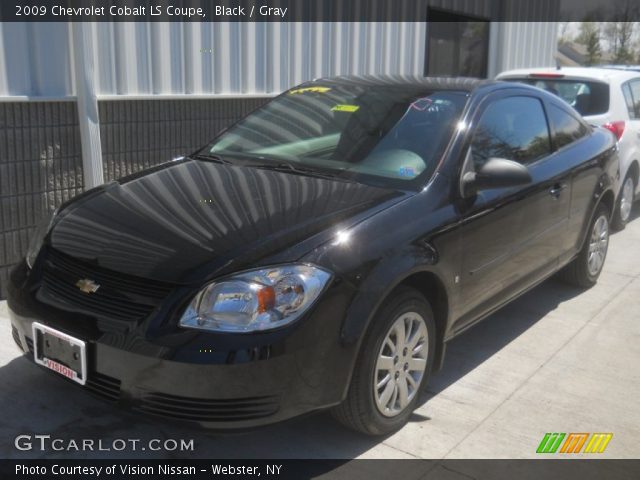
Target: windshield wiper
{"type": "Point", "coordinates": [289, 167]}
{"type": "Point", "coordinates": [210, 157]}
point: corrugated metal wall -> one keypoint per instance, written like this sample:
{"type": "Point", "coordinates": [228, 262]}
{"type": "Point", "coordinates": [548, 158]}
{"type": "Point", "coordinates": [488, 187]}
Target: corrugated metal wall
{"type": "Point", "coordinates": [35, 60]}
{"type": "Point", "coordinates": [523, 45]}
{"type": "Point", "coordinates": [238, 58]}
{"type": "Point", "coordinates": [254, 58]}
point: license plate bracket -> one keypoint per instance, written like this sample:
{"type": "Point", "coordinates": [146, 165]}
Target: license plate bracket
{"type": "Point", "coordinates": [62, 353]}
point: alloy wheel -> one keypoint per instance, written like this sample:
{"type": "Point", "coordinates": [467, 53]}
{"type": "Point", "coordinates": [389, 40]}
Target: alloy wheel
{"type": "Point", "coordinates": [626, 199]}
{"type": "Point", "coordinates": [401, 364]}
{"type": "Point", "coordinates": [598, 245]}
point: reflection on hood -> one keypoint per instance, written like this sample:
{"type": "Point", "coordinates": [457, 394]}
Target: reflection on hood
{"type": "Point", "coordinates": [169, 222]}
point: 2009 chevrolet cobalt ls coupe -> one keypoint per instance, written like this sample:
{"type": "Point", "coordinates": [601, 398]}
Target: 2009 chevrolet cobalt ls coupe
{"type": "Point", "coordinates": [319, 253]}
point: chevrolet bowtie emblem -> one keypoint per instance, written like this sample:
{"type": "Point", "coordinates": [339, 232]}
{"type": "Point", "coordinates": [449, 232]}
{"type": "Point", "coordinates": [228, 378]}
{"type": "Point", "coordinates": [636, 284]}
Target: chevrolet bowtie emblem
{"type": "Point", "coordinates": [87, 286]}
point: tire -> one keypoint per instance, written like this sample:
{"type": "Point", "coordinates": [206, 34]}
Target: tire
{"type": "Point", "coordinates": [579, 272]}
{"type": "Point", "coordinates": [624, 204]}
{"type": "Point", "coordinates": [361, 410]}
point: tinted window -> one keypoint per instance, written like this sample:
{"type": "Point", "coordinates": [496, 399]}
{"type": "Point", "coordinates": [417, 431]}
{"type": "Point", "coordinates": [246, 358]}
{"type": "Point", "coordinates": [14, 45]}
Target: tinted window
{"type": "Point", "coordinates": [567, 128]}
{"type": "Point", "coordinates": [635, 93]}
{"type": "Point", "coordinates": [514, 128]}
{"type": "Point", "coordinates": [628, 99]}
{"type": "Point", "coordinates": [394, 133]}
{"type": "Point", "coordinates": [588, 98]}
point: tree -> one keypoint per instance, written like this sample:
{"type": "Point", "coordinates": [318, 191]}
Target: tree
{"type": "Point", "coordinates": [620, 36]}
{"type": "Point", "coordinates": [589, 36]}
{"type": "Point", "coordinates": [619, 33]}
{"type": "Point", "coordinates": [562, 29]}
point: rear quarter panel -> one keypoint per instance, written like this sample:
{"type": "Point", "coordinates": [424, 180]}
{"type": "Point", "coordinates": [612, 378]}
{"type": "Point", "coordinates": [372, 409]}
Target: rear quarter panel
{"type": "Point", "coordinates": [594, 163]}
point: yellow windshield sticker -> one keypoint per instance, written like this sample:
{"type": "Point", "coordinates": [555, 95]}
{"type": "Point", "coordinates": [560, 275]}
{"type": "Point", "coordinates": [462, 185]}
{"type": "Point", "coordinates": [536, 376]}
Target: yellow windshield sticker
{"type": "Point", "coordinates": [309, 89]}
{"type": "Point", "coordinates": [345, 108]}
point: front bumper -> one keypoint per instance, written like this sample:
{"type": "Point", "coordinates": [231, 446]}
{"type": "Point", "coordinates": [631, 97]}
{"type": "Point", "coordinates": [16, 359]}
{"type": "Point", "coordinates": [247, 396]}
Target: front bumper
{"type": "Point", "coordinates": [213, 381]}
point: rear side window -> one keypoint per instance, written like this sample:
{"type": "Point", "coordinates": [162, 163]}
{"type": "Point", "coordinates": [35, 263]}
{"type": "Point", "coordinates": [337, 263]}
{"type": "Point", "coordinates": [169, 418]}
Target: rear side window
{"type": "Point", "coordinates": [514, 128]}
{"type": "Point", "coordinates": [567, 128]}
{"type": "Point", "coordinates": [588, 98]}
{"type": "Point", "coordinates": [628, 99]}
{"type": "Point", "coordinates": [635, 96]}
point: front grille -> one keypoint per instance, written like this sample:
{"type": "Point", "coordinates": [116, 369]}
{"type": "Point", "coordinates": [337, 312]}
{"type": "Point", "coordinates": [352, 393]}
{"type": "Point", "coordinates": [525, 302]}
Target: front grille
{"type": "Point", "coordinates": [16, 337]}
{"type": "Point", "coordinates": [206, 410]}
{"type": "Point", "coordinates": [119, 297]}
{"type": "Point", "coordinates": [103, 386]}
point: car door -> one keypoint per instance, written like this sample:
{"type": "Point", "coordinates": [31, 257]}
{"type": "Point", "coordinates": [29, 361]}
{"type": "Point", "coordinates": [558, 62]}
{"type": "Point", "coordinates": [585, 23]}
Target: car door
{"type": "Point", "coordinates": [631, 95]}
{"type": "Point", "coordinates": [511, 237]}
{"type": "Point", "coordinates": [567, 131]}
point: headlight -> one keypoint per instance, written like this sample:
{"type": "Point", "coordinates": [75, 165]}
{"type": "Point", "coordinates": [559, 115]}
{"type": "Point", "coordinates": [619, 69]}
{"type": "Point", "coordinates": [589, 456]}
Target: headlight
{"type": "Point", "coordinates": [35, 242]}
{"type": "Point", "coordinates": [256, 300]}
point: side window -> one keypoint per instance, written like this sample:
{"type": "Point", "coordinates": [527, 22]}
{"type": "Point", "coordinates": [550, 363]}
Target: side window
{"type": "Point", "coordinates": [628, 99]}
{"type": "Point", "coordinates": [514, 128]}
{"type": "Point", "coordinates": [635, 93]}
{"type": "Point", "coordinates": [567, 128]}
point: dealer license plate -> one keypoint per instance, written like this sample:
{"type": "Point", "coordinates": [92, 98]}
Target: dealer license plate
{"type": "Point", "coordinates": [62, 353]}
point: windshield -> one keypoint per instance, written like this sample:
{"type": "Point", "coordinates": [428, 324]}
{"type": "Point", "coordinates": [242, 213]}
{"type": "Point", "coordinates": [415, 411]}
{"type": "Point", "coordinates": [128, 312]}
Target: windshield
{"type": "Point", "coordinates": [391, 135]}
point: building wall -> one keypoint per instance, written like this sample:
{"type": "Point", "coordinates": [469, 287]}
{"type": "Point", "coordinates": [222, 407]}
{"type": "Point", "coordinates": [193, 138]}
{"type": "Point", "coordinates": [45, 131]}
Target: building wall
{"type": "Point", "coordinates": [163, 89]}
{"type": "Point", "coordinates": [138, 134]}
{"type": "Point", "coordinates": [40, 167]}
{"type": "Point", "coordinates": [237, 58]}
{"type": "Point", "coordinates": [523, 45]}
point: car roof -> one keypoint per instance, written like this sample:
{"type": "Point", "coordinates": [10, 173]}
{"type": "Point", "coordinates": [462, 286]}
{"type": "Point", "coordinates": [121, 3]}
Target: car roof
{"type": "Point", "coordinates": [428, 83]}
{"type": "Point", "coordinates": [574, 73]}
{"type": "Point", "coordinates": [629, 68]}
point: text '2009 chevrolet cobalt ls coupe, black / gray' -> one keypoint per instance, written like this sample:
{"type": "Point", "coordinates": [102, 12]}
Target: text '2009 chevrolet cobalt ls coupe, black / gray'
{"type": "Point", "coordinates": [319, 253]}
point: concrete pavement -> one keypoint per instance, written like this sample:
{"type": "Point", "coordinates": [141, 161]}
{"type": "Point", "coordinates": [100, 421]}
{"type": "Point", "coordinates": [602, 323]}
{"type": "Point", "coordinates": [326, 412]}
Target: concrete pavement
{"type": "Point", "coordinates": [556, 360]}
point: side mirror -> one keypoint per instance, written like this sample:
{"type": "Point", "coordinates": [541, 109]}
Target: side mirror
{"type": "Point", "coordinates": [495, 173]}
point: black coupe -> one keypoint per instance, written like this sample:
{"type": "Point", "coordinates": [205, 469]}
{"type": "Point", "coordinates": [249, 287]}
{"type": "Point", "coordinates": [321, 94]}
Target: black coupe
{"type": "Point", "coordinates": [319, 253]}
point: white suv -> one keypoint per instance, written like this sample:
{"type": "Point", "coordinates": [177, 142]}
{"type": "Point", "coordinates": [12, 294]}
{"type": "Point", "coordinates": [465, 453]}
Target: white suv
{"type": "Point", "coordinates": [606, 97]}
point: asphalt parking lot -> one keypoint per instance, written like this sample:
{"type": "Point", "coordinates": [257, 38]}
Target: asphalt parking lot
{"type": "Point", "coordinates": [556, 360]}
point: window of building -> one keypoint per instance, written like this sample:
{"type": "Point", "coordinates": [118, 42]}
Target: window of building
{"type": "Point", "coordinates": [513, 128]}
{"type": "Point", "coordinates": [457, 45]}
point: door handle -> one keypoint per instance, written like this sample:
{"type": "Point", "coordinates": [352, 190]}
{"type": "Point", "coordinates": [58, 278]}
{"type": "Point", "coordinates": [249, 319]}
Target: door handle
{"type": "Point", "coordinates": [557, 189]}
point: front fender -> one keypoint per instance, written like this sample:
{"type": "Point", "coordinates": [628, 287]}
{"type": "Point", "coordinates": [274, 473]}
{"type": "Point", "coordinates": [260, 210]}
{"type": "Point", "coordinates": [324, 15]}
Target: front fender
{"type": "Point", "coordinates": [376, 287]}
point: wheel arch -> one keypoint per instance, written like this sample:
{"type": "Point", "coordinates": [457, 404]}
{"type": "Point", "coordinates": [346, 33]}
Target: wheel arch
{"type": "Point", "coordinates": [424, 280]}
{"type": "Point", "coordinates": [608, 199]}
{"type": "Point", "coordinates": [634, 171]}
{"type": "Point", "coordinates": [433, 289]}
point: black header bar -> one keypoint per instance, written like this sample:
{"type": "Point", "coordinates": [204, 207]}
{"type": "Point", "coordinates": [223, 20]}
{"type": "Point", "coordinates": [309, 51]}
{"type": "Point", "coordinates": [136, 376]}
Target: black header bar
{"type": "Point", "coordinates": [546, 469]}
{"type": "Point", "coordinates": [312, 10]}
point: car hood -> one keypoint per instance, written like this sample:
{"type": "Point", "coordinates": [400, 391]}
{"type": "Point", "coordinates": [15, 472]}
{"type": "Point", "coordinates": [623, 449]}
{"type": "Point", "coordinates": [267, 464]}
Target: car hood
{"type": "Point", "coordinates": [188, 220]}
